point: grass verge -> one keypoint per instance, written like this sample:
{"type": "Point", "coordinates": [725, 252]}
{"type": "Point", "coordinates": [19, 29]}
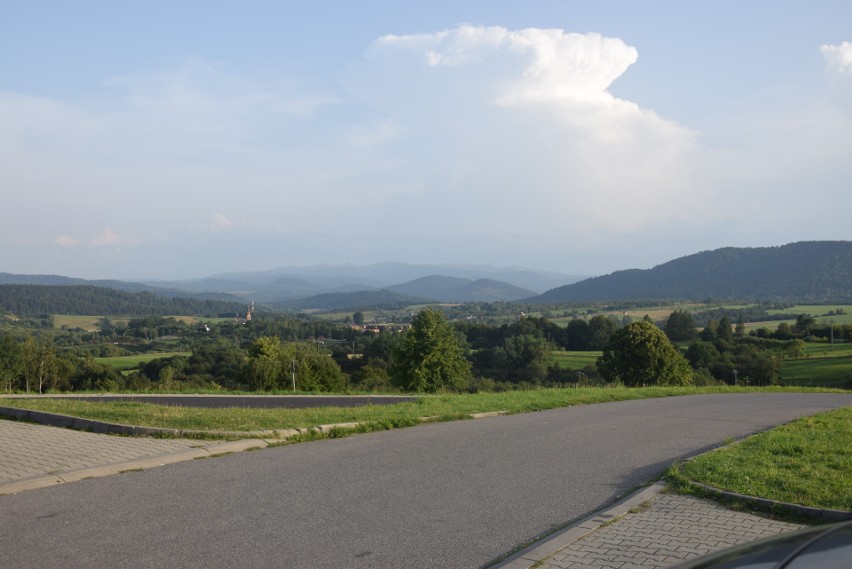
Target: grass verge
{"type": "Point", "coordinates": [437, 407]}
{"type": "Point", "coordinates": [807, 462]}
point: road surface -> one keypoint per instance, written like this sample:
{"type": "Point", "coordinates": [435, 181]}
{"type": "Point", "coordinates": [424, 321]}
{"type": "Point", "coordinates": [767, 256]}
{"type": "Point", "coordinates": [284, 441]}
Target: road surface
{"type": "Point", "coordinates": [445, 495]}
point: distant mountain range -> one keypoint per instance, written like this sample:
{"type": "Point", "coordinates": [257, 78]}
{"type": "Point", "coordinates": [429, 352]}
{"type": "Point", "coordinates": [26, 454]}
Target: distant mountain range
{"type": "Point", "coordinates": [324, 287]}
{"type": "Point", "coordinates": [808, 271]}
{"type": "Point", "coordinates": [426, 283]}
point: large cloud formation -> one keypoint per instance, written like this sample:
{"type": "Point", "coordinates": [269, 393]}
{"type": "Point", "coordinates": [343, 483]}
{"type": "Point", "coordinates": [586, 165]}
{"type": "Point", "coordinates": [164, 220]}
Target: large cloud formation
{"type": "Point", "coordinates": [520, 127]}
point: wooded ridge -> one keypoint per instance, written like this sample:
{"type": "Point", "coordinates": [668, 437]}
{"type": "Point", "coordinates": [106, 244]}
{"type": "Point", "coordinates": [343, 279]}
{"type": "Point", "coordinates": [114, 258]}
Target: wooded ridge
{"type": "Point", "coordinates": [804, 272]}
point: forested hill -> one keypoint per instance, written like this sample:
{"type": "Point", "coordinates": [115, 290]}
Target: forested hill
{"type": "Point", "coordinates": [91, 300]}
{"type": "Point", "coordinates": [809, 271]}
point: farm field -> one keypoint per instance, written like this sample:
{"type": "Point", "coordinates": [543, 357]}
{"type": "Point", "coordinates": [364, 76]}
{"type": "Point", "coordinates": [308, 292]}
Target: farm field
{"type": "Point", "coordinates": [87, 323]}
{"type": "Point", "coordinates": [824, 365]}
{"type": "Point", "coordinates": [818, 372]}
{"type": "Point", "coordinates": [820, 312]}
{"type": "Point", "coordinates": [91, 323]}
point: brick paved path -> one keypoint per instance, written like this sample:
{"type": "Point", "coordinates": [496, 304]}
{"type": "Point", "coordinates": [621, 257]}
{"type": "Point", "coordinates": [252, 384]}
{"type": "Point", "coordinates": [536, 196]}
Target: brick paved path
{"type": "Point", "coordinates": [30, 451]}
{"type": "Point", "coordinates": [670, 529]}
{"type": "Point", "coordinates": [37, 456]}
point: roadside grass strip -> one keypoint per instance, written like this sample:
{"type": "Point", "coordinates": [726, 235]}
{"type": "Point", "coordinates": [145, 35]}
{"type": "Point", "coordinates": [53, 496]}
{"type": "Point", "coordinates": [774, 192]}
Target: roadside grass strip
{"type": "Point", "coordinates": [807, 462]}
{"type": "Point", "coordinates": [369, 417]}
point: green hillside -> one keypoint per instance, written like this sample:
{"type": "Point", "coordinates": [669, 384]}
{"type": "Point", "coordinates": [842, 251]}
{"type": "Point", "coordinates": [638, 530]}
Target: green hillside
{"type": "Point", "coordinates": [805, 272]}
{"type": "Point", "coordinates": [85, 299]}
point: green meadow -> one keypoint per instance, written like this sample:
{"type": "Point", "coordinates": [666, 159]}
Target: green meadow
{"type": "Point", "coordinates": [132, 362]}
{"type": "Point", "coordinates": [575, 360]}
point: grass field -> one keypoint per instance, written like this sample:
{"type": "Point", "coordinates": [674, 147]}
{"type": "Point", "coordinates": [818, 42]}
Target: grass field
{"type": "Point", "coordinates": [132, 362]}
{"type": "Point", "coordinates": [826, 350]}
{"type": "Point", "coordinates": [575, 360]}
{"type": "Point", "coordinates": [818, 372]}
{"type": "Point", "coordinates": [805, 462]}
{"type": "Point", "coordinates": [825, 365]}
{"type": "Point", "coordinates": [819, 311]}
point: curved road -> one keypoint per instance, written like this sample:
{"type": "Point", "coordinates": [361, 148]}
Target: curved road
{"type": "Point", "coordinates": [443, 495]}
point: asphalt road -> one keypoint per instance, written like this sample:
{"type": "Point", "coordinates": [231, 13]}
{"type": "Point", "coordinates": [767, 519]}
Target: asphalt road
{"type": "Point", "coordinates": [443, 495]}
{"type": "Point", "coordinates": [253, 401]}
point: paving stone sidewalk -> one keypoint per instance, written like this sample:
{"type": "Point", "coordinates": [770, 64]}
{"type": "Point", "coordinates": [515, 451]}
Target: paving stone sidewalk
{"type": "Point", "coordinates": [33, 456]}
{"type": "Point", "coordinates": [666, 530]}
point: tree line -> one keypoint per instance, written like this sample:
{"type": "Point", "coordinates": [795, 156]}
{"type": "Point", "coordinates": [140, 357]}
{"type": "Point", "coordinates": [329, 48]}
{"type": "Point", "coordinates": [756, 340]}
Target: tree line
{"type": "Point", "coordinates": [270, 352]}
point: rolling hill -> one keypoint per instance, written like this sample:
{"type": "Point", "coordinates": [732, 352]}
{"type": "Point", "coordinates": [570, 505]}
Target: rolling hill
{"type": "Point", "coordinates": [86, 300]}
{"type": "Point", "coordinates": [808, 271]}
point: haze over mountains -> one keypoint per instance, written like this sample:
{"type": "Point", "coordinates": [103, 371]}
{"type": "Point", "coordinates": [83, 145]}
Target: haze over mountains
{"type": "Point", "coordinates": [811, 271]}
{"type": "Point", "coordinates": [285, 285]}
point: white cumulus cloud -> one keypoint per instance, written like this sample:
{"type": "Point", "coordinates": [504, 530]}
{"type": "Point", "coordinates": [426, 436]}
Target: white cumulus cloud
{"type": "Point", "coordinates": [838, 57]}
{"type": "Point", "coordinates": [520, 127]}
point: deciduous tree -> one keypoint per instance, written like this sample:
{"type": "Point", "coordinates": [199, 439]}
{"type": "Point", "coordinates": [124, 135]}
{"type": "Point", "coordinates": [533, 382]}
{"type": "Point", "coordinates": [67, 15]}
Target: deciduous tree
{"type": "Point", "coordinates": [429, 357]}
{"type": "Point", "coordinates": [641, 354]}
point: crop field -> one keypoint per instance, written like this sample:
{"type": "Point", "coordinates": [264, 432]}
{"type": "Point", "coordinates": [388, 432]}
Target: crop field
{"type": "Point", "coordinates": [369, 316]}
{"type": "Point", "coordinates": [88, 323]}
{"type": "Point", "coordinates": [655, 312]}
{"type": "Point", "coordinates": [91, 323]}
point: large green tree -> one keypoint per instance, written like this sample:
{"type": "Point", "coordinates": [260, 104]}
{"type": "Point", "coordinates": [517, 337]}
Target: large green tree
{"type": "Point", "coordinates": [429, 356]}
{"type": "Point", "coordinates": [641, 354]}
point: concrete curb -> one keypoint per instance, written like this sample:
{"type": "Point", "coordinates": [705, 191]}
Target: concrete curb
{"type": "Point", "coordinates": [547, 546]}
{"type": "Point", "coordinates": [104, 428]}
{"type": "Point", "coordinates": [146, 463]}
{"type": "Point", "coordinates": [819, 515]}
{"type": "Point", "coordinates": [101, 427]}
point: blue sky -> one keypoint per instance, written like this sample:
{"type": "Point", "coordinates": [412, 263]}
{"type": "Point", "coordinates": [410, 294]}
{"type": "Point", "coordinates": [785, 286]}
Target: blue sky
{"type": "Point", "coordinates": [181, 139]}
